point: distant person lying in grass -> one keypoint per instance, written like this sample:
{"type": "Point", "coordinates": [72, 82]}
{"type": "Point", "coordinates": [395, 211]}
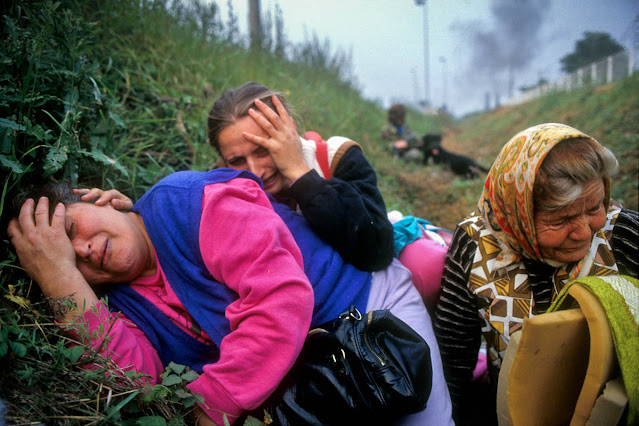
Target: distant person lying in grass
{"type": "Point", "coordinates": [212, 279]}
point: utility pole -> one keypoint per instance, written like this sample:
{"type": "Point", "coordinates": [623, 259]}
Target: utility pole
{"type": "Point", "coordinates": [444, 77]}
{"type": "Point", "coordinates": [413, 72]}
{"type": "Point", "coordinates": [426, 53]}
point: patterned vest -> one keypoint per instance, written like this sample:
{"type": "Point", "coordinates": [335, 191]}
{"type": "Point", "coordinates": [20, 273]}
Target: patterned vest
{"type": "Point", "coordinates": [504, 292]}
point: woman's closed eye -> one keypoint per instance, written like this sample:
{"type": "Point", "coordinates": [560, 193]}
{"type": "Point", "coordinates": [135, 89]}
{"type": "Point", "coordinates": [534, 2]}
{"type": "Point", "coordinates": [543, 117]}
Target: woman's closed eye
{"type": "Point", "coordinates": [70, 228]}
{"type": "Point", "coordinates": [261, 152]}
{"type": "Point", "coordinates": [595, 209]}
{"type": "Point", "coordinates": [236, 161]}
{"type": "Point", "coordinates": [559, 222]}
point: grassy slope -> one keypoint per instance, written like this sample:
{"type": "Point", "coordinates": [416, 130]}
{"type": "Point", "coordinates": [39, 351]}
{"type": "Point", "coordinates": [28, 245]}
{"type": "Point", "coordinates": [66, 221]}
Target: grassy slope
{"type": "Point", "coordinates": [180, 76]}
{"type": "Point", "coordinates": [608, 113]}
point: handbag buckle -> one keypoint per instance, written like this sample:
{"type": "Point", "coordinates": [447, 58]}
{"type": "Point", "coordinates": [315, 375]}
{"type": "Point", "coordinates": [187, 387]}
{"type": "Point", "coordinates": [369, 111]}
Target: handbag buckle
{"type": "Point", "coordinates": [353, 312]}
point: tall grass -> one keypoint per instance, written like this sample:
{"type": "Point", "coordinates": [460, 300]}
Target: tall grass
{"type": "Point", "coordinates": [609, 113]}
{"type": "Point", "coordinates": [115, 94]}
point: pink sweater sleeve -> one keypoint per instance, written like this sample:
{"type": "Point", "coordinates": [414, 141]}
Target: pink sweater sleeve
{"type": "Point", "coordinates": [247, 246]}
{"type": "Point", "coordinates": [115, 336]}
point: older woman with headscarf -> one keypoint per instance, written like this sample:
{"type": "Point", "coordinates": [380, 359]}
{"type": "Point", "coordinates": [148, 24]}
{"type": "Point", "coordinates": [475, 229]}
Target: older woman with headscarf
{"type": "Point", "coordinates": [544, 218]}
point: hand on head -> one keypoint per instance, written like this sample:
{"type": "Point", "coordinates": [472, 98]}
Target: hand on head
{"type": "Point", "coordinates": [66, 248]}
{"type": "Point", "coordinates": [283, 142]}
{"type": "Point", "coordinates": [114, 197]}
{"type": "Point", "coordinates": [43, 246]}
{"type": "Point", "coordinates": [46, 253]}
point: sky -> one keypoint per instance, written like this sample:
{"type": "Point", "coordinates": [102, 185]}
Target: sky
{"type": "Point", "coordinates": [469, 42]}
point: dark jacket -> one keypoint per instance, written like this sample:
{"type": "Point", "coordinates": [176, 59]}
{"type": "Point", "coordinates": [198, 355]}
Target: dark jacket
{"type": "Point", "coordinates": [348, 211]}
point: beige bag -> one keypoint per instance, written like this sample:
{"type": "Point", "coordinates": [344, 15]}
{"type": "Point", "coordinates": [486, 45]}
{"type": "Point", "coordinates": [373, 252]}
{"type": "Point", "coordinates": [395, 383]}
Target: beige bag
{"type": "Point", "coordinates": [557, 366]}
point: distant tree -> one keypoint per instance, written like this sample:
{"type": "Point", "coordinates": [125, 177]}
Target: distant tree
{"type": "Point", "coordinates": [255, 24]}
{"type": "Point", "coordinates": [232, 26]}
{"type": "Point", "coordinates": [206, 18]}
{"type": "Point", "coordinates": [593, 47]}
{"type": "Point", "coordinates": [280, 36]}
{"type": "Point", "coordinates": [266, 27]}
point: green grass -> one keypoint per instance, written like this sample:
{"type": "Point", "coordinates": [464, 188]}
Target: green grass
{"type": "Point", "coordinates": [115, 93]}
{"type": "Point", "coordinates": [608, 113]}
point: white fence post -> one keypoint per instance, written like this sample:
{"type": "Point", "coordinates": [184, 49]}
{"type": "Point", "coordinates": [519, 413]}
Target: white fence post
{"type": "Point", "coordinates": [567, 82]}
{"type": "Point", "coordinates": [609, 70]}
{"type": "Point", "coordinates": [580, 77]}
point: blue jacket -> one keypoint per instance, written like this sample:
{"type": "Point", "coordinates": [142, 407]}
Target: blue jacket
{"type": "Point", "coordinates": [171, 211]}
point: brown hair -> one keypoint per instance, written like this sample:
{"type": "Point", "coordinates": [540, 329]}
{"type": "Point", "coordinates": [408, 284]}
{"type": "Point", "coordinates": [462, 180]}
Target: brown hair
{"type": "Point", "coordinates": [569, 166]}
{"type": "Point", "coordinates": [396, 113]}
{"type": "Point", "coordinates": [234, 104]}
{"type": "Point", "coordinates": [56, 192]}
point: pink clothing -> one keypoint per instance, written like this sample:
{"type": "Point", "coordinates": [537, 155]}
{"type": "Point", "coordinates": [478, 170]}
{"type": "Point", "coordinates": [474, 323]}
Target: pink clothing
{"type": "Point", "coordinates": [121, 332]}
{"type": "Point", "coordinates": [480, 373]}
{"type": "Point", "coordinates": [157, 289]}
{"type": "Point", "coordinates": [425, 259]}
{"type": "Point", "coordinates": [260, 261]}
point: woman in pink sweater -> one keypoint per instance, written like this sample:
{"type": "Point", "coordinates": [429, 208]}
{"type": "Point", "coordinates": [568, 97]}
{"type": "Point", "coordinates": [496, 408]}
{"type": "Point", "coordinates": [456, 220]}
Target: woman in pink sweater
{"type": "Point", "coordinates": [224, 291]}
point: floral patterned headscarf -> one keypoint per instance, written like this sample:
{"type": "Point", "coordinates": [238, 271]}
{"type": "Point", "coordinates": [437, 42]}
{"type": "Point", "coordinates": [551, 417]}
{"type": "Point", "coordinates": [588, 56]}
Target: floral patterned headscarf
{"type": "Point", "coordinates": [506, 203]}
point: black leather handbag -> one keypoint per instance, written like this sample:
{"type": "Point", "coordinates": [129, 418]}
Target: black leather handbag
{"type": "Point", "coordinates": [355, 369]}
